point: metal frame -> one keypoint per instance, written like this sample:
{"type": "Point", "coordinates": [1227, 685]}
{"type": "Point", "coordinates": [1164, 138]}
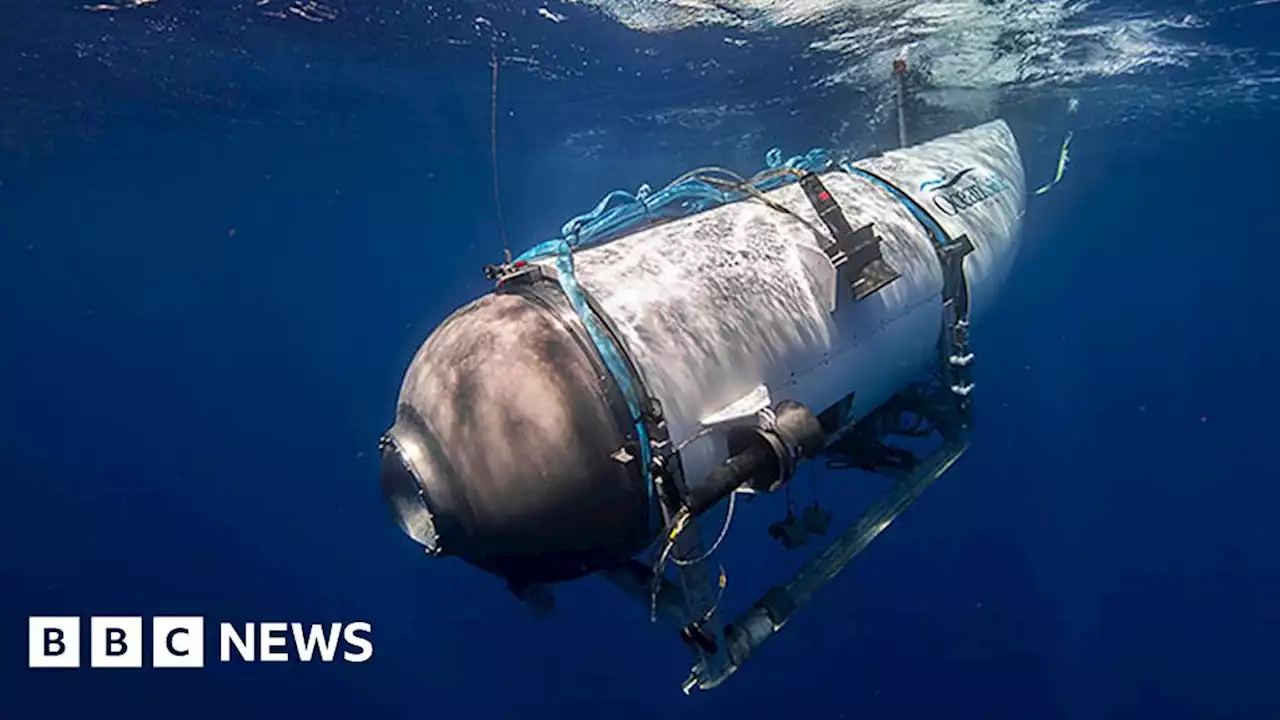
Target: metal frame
{"type": "Point", "coordinates": [944, 403]}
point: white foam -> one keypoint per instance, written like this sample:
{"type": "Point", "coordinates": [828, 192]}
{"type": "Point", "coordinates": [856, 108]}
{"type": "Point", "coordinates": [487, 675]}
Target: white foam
{"type": "Point", "coordinates": [969, 48]}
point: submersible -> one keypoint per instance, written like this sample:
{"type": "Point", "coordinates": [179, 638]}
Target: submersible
{"type": "Point", "coordinates": [679, 349]}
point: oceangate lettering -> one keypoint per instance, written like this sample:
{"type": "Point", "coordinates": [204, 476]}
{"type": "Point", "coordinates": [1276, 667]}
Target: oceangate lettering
{"type": "Point", "coordinates": [983, 189]}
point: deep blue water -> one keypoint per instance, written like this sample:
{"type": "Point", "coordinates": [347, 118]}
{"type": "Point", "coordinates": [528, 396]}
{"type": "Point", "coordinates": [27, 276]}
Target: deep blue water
{"type": "Point", "coordinates": [222, 237]}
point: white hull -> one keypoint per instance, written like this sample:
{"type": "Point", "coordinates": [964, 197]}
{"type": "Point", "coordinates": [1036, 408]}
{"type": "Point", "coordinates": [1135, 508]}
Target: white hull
{"type": "Point", "coordinates": [716, 305]}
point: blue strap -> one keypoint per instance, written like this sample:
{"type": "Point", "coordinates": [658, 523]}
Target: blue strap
{"type": "Point", "coordinates": [621, 211]}
{"type": "Point", "coordinates": [931, 226]}
{"type": "Point", "coordinates": [617, 212]}
{"type": "Point", "coordinates": [608, 349]}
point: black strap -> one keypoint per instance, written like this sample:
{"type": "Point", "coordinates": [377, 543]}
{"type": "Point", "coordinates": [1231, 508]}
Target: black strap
{"type": "Point", "coordinates": [956, 355]}
{"type": "Point", "coordinates": [860, 249]}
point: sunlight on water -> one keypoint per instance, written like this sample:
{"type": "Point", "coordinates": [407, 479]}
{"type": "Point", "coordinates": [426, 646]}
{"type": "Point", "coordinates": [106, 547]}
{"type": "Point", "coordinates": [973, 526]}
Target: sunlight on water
{"type": "Point", "coordinates": [736, 68]}
{"type": "Point", "coordinates": [971, 48]}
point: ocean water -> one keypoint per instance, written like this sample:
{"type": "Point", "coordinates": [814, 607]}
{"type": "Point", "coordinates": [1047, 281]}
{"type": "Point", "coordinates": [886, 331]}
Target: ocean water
{"type": "Point", "coordinates": [226, 226]}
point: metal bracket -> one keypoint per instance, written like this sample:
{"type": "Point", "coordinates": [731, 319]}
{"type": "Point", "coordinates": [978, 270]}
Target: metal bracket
{"type": "Point", "coordinates": [854, 254]}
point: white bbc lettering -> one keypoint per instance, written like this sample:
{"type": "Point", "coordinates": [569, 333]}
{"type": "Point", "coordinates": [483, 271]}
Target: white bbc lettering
{"type": "Point", "coordinates": [352, 636]}
{"type": "Point", "coordinates": [53, 642]}
{"type": "Point", "coordinates": [328, 642]}
{"type": "Point", "coordinates": [271, 635]}
{"type": "Point", "coordinates": [310, 641]}
{"type": "Point", "coordinates": [177, 642]}
{"type": "Point", "coordinates": [115, 642]}
{"type": "Point", "coordinates": [244, 644]}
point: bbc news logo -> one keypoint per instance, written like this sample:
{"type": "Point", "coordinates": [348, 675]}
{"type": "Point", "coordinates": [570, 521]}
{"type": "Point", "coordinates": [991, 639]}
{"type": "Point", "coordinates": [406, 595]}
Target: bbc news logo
{"type": "Point", "coordinates": [178, 642]}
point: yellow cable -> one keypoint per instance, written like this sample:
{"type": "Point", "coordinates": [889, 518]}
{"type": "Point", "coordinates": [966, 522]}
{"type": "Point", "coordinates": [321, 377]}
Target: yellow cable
{"type": "Point", "coordinates": [1063, 158]}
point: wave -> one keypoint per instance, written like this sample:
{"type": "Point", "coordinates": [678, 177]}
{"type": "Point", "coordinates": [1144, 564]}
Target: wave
{"type": "Point", "coordinates": [968, 50]}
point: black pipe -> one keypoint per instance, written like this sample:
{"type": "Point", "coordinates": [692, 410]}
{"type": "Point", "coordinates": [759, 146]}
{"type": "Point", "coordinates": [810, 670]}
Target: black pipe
{"type": "Point", "coordinates": [756, 460]}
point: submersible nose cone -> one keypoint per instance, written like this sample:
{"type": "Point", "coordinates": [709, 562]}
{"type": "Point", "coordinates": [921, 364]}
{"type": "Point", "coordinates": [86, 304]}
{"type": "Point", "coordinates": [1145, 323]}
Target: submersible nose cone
{"type": "Point", "coordinates": [502, 448]}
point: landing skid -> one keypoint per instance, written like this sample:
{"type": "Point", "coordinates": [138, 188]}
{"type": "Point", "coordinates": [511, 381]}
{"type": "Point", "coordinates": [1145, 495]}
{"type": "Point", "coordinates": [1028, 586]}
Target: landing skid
{"type": "Point", "coordinates": [746, 633]}
{"type": "Point", "coordinates": [719, 652]}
